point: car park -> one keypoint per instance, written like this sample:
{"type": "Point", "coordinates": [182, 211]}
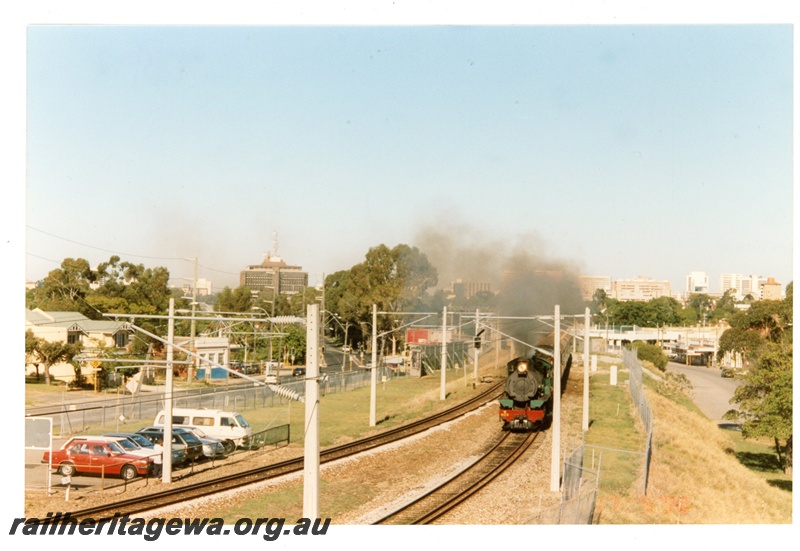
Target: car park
{"type": "Point", "coordinates": [181, 437]}
{"type": "Point", "coordinates": [97, 456]}
{"type": "Point", "coordinates": [178, 454]}
{"type": "Point", "coordinates": [213, 448]}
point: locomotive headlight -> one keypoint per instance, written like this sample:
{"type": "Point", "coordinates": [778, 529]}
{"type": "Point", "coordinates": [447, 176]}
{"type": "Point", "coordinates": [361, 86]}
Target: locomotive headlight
{"type": "Point", "coordinates": [522, 368]}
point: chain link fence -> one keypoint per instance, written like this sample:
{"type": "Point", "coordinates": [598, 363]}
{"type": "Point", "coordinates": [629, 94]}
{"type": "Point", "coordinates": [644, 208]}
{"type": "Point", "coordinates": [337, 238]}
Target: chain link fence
{"type": "Point", "coordinates": [581, 478]}
{"type": "Point", "coordinates": [630, 359]}
{"type": "Point", "coordinates": [578, 494]}
{"type": "Point", "coordinates": [108, 412]}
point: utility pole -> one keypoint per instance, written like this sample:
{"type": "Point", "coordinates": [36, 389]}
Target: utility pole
{"type": "Point", "coordinates": [322, 324]}
{"type": "Point", "coordinates": [166, 460]}
{"type": "Point", "coordinates": [442, 392]}
{"type": "Point", "coordinates": [193, 330]}
{"type": "Point", "coordinates": [374, 368]}
{"type": "Point", "coordinates": [311, 441]}
{"type": "Point", "coordinates": [586, 371]}
{"type": "Point", "coordinates": [555, 429]}
{"type": "Point", "coordinates": [476, 348]}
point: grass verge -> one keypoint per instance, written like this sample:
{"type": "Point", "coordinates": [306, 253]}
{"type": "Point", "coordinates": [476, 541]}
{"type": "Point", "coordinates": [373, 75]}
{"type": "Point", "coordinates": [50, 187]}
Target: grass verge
{"type": "Point", "coordinates": [697, 473]}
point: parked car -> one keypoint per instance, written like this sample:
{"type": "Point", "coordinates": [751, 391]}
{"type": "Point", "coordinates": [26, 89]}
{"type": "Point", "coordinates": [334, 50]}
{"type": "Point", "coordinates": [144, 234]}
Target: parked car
{"type": "Point", "coordinates": [181, 437]}
{"type": "Point", "coordinates": [212, 447]}
{"type": "Point", "coordinates": [124, 443]}
{"type": "Point", "coordinates": [97, 456]}
{"type": "Point", "coordinates": [299, 372]}
{"type": "Point", "coordinates": [178, 454]}
{"type": "Point", "coordinates": [229, 426]}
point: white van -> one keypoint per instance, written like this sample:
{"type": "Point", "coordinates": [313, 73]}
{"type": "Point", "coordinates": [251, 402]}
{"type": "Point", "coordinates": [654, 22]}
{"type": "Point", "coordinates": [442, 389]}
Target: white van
{"type": "Point", "coordinates": [225, 425]}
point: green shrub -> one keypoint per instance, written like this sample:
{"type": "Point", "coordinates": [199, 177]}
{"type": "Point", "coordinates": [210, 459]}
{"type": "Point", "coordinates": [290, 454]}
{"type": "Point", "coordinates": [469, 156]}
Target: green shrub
{"type": "Point", "coordinates": [651, 353]}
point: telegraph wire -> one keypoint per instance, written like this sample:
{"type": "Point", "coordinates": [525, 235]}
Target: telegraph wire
{"type": "Point", "coordinates": [120, 254]}
{"type": "Point", "coordinates": [107, 250]}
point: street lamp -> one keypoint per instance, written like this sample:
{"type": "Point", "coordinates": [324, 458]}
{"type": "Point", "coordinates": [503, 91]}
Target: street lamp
{"type": "Point", "coordinates": [266, 315]}
{"type": "Point", "coordinates": [345, 327]}
{"type": "Point", "coordinates": [345, 348]}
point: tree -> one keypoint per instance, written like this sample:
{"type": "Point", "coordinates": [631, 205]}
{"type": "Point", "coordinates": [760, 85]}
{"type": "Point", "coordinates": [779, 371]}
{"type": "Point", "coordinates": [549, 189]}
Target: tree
{"type": "Point", "coordinates": [51, 353]}
{"type": "Point", "coordinates": [599, 298]}
{"type": "Point", "coordinates": [725, 306]}
{"type": "Point", "coordinates": [650, 352]}
{"type": "Point", "coordinates": [394, 279]}
{"type": "Point", "coordinates": [747, 342]}
{"type": "Point", "coordinates": [65, 288]}
{"type": "Point", "coordinates": [698, 308]}
{"type": "Point", "coordinates": [298, 302]}
{"type": "Point", "coordinates": [32, 344]}
{"type": "Point", "coordinates": [765, 400]}
{"type": "Point", "coordinates": [771, 318]}
{"type": "Point", "coordinates": [236, 300]}
{"type": "Point", "coordinates": [294, 345]}
{"type": "Point", "coordinates": [662, 311]}
{"type": "Point", "coordinates": [114, 287]}
{"type": "Point", "coordinates": [130, 288]}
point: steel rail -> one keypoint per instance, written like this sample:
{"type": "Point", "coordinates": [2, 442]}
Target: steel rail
{"type": "Point", "coordinates": [447, 496]}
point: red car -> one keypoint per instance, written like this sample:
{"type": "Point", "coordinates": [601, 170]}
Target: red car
{"type": "Point", "coordinates": [97, 457]}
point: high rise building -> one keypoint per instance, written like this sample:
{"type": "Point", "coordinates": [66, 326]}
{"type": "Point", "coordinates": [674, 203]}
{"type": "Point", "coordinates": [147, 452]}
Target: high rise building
{"type": "Point", "coordinates": [771, 289]}
{"type": "Point", "coordinates": [590, 284]}
{"type": "Point", "coordinates": [696, 282]}
{"type": "Point", "coordinates": [468, 289]}
{"type": "Point", "coordinates": [274, 274]}
{"type": "Point", "coordinates": [751, 285]}
{"type": "Point", "coordinates": [731, 281]}
{"type": "Point", "coordinates": [639, 288]}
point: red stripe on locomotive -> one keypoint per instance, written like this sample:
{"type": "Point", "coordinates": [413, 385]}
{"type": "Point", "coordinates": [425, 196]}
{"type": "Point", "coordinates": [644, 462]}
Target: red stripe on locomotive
{"type": "Point", "coordinates": [533, 415]}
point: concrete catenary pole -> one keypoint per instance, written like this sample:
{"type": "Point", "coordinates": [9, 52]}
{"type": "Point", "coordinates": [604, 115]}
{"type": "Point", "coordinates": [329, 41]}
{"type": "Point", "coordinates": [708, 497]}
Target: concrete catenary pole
{"type": "Point", "coordinates": [555, 428]}
{"type": "Point", "coordinates": [193, 326]}
{"type": "Point", "coordinates": [586, 371]}
{"type": "Point", "coordinates": [476, 350]}
{"type": "Point", "coordinates": [442, 386]}
{"type": "Point", "coordinates": [166, 460]}
{"type": "Point", "coordinates": [373, 385]}
{"type": "Point", "coordinates": [311, 446]}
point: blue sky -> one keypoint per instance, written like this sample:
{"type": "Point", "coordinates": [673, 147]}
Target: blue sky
{"type": "Point", "coordinates": [621, 150]}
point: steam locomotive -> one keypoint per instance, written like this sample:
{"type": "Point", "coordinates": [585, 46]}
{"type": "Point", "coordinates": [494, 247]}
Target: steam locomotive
{"type": "Point", "coordinates": [527, 401]}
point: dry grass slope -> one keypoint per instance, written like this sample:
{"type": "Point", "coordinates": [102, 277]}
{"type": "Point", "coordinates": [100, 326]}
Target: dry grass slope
{"type": "Point", "coordinates": [695, 479]}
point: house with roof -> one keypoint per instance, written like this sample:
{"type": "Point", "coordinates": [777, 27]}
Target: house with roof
{"type": "Point", "coordinates": [74, 327]}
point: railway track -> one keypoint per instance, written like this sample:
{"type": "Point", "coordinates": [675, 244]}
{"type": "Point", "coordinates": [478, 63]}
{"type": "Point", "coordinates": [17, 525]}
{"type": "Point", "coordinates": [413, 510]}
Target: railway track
{"type": "Point", "coordinates": [447, 496]}
{"type": "Point", "coordinates": [182, 494]}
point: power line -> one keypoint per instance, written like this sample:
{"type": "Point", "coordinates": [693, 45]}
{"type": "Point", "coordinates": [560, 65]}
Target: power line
{"type": "Point", "coordinates": [107, 250]}
{"type": "Point", "coordinates": [118, 253]}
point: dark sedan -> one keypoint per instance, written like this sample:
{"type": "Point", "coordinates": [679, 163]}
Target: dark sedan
{"type": "Point", "coordinates": [181, 438]}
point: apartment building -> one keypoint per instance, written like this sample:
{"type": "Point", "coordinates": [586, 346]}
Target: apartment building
{"type": "Point", "coordinates": [639, 288]}
{"type": "Point", "coordinates": [274, 274]}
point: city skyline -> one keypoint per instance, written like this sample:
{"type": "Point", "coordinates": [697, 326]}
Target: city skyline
{"type": "Point", "coordinates": [715, 283]}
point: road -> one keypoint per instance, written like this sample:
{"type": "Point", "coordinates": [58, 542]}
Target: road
{"type": "Point", "coordinates": [711, 392]}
